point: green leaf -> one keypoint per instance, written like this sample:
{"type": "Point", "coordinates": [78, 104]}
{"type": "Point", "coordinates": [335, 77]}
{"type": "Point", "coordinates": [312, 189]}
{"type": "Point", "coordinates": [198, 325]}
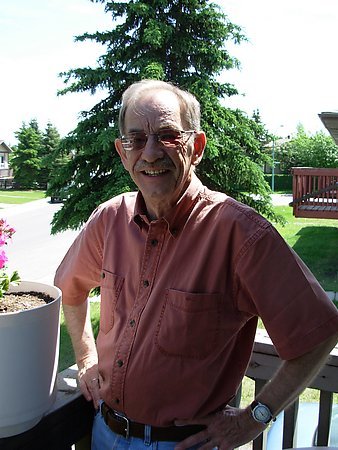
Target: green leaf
{"type": "Point", "coordinates": [15, 278]}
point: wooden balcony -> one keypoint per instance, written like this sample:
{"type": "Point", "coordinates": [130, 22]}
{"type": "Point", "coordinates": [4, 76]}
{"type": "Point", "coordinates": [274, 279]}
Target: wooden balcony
{"type": "Point", "coordinates": [69, 422]}
{"type": "Point", "coordinates": [315, 193]}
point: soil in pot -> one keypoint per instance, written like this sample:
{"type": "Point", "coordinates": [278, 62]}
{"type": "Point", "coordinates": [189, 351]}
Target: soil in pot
{"type": "Point", "coordinates": [19, 301]}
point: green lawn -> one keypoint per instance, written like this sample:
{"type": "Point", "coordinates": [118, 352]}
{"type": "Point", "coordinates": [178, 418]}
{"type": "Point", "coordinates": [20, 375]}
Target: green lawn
{"type": "Point", "coordinates": [18, 197]}
{"type": "Point", "coordinates": [316, 242]}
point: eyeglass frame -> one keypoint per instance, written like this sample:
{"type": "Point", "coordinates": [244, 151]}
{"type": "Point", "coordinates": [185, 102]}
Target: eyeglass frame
{"type": "Point", "coordinates": [158, 140]}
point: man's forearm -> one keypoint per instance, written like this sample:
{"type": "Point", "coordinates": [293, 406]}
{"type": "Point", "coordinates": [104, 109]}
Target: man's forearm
{"type": "Point", "coordinates": [81, 333]}
{"type": "Point", "coordinates": [294, 376]}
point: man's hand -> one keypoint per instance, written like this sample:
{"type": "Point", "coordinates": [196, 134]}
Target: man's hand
{"type": "Point", "coordinates": [89, 382]}
{"type": "Point", "coordinates": [225, 430]}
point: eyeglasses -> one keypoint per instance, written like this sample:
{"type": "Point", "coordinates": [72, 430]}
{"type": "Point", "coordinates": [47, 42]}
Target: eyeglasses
{"type": "Point", "coordinates": [137, 140]}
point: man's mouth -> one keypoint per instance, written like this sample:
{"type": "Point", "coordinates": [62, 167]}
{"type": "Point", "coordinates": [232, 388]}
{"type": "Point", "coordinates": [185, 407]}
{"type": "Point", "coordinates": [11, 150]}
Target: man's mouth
{"type": "Point", "coordinates": [154, 173]}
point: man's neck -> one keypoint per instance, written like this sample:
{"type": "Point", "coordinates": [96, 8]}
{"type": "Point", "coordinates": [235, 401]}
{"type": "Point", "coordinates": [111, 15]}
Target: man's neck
{"type": "Point", "coordinates": [157, 211]}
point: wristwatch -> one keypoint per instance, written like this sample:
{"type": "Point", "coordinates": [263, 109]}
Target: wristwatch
{"type": "Point", "coordinates": [260, 412]}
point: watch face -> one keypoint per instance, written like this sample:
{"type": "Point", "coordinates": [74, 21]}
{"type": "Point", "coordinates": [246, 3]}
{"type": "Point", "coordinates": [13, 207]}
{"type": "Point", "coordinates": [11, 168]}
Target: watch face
{"type": "Point", "coordinates": [261, 413]}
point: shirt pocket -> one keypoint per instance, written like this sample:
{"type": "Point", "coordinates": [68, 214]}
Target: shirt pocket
{"type": "Point", "coordinates": [111, 286]}
{"type": "Point", "coordinates": [189, 324]}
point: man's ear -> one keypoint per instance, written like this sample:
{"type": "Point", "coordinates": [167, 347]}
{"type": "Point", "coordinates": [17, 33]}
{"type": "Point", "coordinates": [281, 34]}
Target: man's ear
{"type": "Point", "coordinates": [121, 151]}
{"type": "Point", "coordinates": [199, 146]}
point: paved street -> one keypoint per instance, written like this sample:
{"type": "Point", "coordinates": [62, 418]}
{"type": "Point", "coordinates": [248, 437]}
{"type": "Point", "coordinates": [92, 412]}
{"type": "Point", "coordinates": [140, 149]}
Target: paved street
{"type": "Point", "coordinates": [34, 252]}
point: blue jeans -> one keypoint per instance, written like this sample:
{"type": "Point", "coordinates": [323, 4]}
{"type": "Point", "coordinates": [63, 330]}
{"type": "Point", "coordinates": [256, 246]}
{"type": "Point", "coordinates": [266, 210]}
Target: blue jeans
{"type": "Point", "coordinates": [103, 438]}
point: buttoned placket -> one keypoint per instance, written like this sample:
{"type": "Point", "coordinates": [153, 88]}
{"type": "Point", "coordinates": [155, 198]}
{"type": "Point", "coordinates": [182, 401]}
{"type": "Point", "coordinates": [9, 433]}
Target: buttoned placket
{"type": "Point", "coordinates": [152, 253]}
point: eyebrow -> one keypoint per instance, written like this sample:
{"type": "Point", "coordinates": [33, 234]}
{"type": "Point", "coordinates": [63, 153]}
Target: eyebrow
{"type": "Point", "coordinates": [135, 130]}
{"type": "Point", "coordinates": [165, 127]}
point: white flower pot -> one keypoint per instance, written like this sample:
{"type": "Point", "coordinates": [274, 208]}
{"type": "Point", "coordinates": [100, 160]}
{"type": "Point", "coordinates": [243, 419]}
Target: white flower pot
{"type": "Point", "coordinates": [29, 354]}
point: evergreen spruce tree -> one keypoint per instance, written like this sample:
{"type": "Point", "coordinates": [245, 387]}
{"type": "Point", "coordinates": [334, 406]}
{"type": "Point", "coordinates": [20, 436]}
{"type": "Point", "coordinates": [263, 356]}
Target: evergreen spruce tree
{"type": "Point", "coordinates": [51, 159]}
{"type": "Point", "coordinates": [25, 160]}
{"type": "Point", "coordinates": [181, 41]}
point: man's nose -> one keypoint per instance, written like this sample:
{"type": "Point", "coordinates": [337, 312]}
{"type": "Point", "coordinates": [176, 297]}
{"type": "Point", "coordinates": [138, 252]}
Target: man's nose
{"type": "Point", "coordinates": [153, 150]}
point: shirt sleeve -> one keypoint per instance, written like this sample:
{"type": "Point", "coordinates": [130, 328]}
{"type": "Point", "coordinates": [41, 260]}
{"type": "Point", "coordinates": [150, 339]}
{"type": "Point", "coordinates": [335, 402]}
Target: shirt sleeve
{"type": "Point", "coordinates": [275, 284]}
{"type": "Point", "coordinates": [80, 270]}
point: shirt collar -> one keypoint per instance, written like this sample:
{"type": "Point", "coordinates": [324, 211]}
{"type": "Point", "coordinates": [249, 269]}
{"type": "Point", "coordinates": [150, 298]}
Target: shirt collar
{"type": "Point", "coordinates": [178, 215]}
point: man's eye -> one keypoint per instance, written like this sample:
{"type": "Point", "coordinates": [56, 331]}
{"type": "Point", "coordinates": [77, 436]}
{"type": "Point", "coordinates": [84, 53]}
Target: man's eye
{"type": "Point", "coordinates": [169, 136]}
{"type": "Point", "coordinates": [139, 138]}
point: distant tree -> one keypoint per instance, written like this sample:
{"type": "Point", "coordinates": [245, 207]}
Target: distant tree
{"type": "Point", "coordinates": [51, 159]}
{"type": "Point", "coordinates": [184, 42]}
{"type": "Point", "coordinates": [36, 155]}
{"type": "Point", "coordinates": [25, 160]}
{"type": "Point", "coordinates": [306, 150]}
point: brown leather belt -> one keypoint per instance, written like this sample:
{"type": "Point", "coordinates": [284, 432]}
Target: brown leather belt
{"type": "Point", "coordinates": [120, 424]}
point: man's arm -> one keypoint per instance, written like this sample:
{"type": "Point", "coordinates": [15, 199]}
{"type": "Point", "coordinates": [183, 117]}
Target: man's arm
{"type": "Point", "coordinates": [294, 376]}
{"type": "Point", "coordinates": [81, 333]}
{"type": "Point", "coordinates": [234, 427]}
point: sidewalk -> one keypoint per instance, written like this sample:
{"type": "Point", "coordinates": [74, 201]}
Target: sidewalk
{"type": "Point", "coordinates": [281, 199]}
{"type": "Point", "coordinates": [21, 207]}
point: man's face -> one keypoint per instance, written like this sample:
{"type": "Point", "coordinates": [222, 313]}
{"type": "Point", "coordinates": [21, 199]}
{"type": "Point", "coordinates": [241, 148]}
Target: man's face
{"type": "Point", "coordinates": [162, 174]}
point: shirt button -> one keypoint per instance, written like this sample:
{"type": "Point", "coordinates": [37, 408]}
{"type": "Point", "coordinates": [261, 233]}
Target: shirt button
{"type": "Point", "coordinates": [145, 283]}
{"type": "Point", "coordinates": [103, 275]}
{"type": "Point", "coordinates": [120, 363]}
{"type": "Point", "coordinates": [132, 323]}
{"type": "Point", "coordinates": [117, 401]}
{"type": "Point", "coordinates": [154, 242]}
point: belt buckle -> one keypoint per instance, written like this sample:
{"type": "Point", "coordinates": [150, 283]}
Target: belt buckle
{"type": "Point", "coordinates": [124, 418]}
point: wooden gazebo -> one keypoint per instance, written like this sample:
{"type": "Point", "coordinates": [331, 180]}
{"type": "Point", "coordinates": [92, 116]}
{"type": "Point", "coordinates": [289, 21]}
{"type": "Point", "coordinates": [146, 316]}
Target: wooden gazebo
{"type": "Point", "coordinates": [315, 193]}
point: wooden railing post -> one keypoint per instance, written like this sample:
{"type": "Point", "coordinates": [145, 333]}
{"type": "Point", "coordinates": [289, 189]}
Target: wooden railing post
{"type": "Point", "coordinates": [325, 413]}
{"type": "Point", "coordinates": [84, 443]}
{"type": "Point", "coordinates": [289, 426]}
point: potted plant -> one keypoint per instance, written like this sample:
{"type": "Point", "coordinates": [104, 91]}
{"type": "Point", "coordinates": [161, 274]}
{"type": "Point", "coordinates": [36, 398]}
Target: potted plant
{"type": "Point", "coordinates": [29, 346]}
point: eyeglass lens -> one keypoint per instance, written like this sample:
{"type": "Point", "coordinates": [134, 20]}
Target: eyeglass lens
{"type": "Point", "coordinates": [138, 140]}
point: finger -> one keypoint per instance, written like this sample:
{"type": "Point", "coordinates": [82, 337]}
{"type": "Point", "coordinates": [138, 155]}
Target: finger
{"type": "Point", "coordinates": [85, 390]}
{"type": "Point", "coordinates": [95, 391]}
{"type": "Point", "coordinates": [195, 439]}
{"type": "Point", "coordinates": [208, 446]}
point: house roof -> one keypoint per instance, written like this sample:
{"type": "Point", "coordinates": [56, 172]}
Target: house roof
{"type": "Point", "coordinates": [330, 121]}
{"type": "Point", "coordinates": [5, 147]}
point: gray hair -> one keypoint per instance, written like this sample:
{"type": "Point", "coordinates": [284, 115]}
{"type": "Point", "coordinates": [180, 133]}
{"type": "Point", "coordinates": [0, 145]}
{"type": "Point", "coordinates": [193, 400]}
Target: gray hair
{"type": "Point", "coordinates": [190, 107]}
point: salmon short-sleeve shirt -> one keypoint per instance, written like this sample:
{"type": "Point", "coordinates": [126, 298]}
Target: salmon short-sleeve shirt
{"type": "Point", "coordinates": [180, 297]}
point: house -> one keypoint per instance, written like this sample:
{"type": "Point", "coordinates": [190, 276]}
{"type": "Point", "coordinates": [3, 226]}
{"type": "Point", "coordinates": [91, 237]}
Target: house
{"type": "Point", "coordinates": [6, 173]}
{"type": "Point", "coordinates": [330, 121]}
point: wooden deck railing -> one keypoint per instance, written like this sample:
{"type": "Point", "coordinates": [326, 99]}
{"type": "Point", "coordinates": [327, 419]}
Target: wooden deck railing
{"type": "Point", "coordinates": [315, 193]}
{"type": "Point", "coordinates": [69, 421]}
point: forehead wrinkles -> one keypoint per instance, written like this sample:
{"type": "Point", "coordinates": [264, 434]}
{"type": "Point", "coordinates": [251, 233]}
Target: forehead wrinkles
{"type": "Point", "coordinates": [155, 111]}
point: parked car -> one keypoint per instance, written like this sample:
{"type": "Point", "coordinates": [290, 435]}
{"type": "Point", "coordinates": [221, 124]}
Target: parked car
{"type": "Point", "coordinates": [59, 196]}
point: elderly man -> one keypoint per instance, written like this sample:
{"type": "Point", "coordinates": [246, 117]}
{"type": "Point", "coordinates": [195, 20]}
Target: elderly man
{"type": "Point", "coordinates": [184, 274]}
